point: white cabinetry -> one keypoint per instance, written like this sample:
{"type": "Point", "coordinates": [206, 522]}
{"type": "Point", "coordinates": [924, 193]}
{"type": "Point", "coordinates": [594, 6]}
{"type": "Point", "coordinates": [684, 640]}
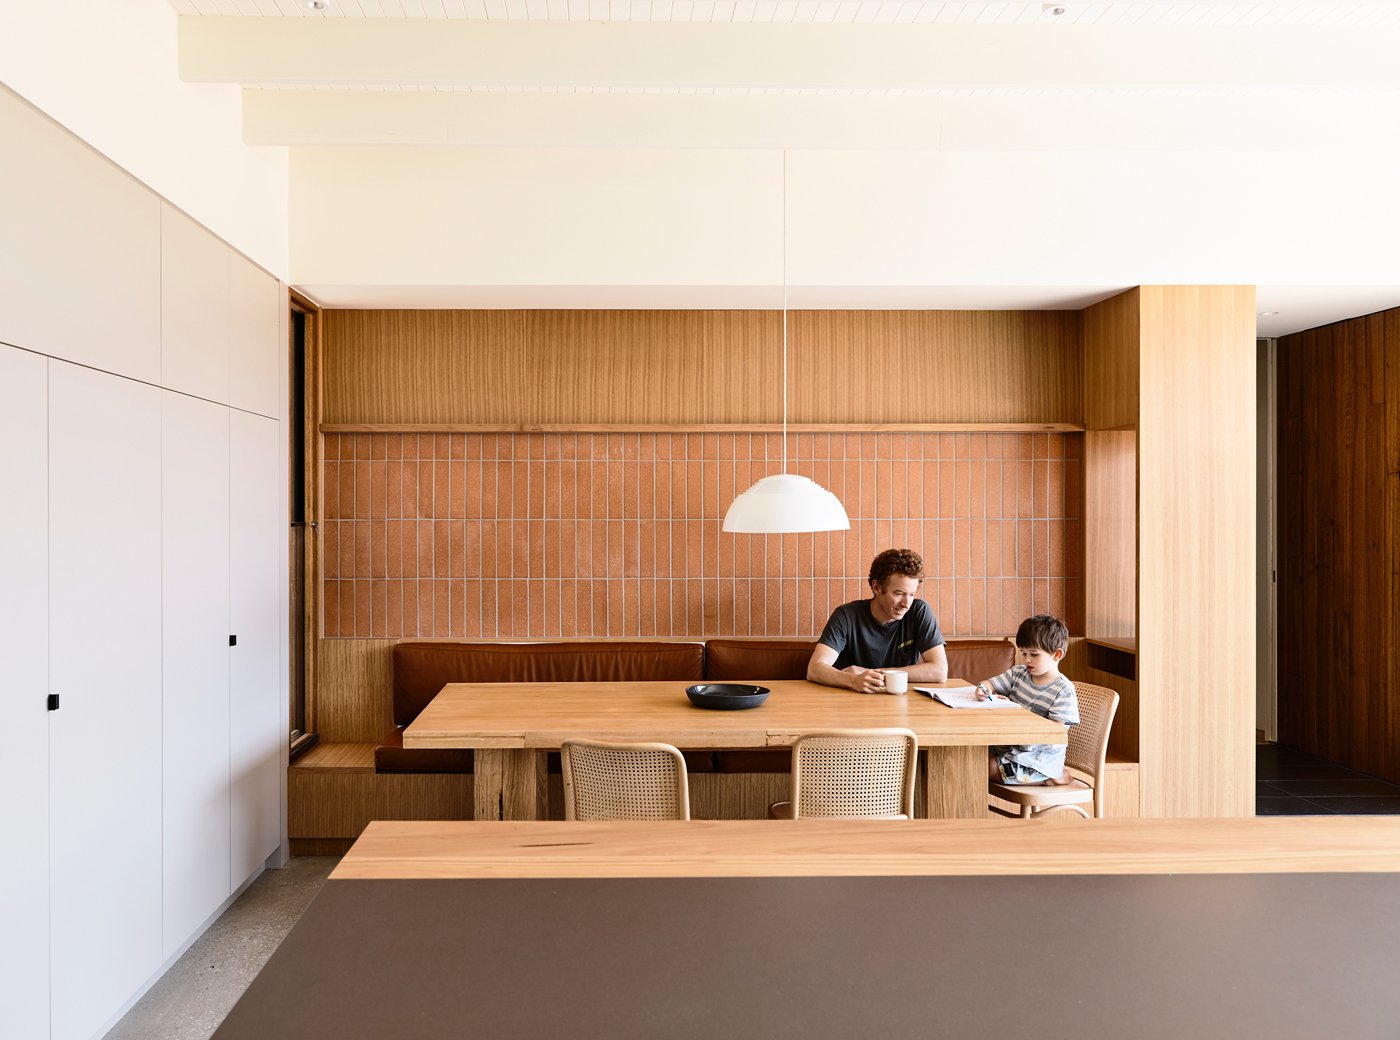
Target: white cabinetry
{"type": "Point", "coordinates": [220, 320]}
{"type": "Point", "coordinates": [257, 348]}
{"type": "Point", "coordinates": [193, 308]}
{"type": "Point", "coordinates": [105, 664]}
{"type": "Point", "coordinates": [139, 528]}
{"type": "Point", "coordinates": [24, 686]}
{"type": "Point", "coordinates": [257, 711]}
{"type": "Point", "coordinates": [80, 262]}
{"type": "Point", "coordinates": [195, 670]}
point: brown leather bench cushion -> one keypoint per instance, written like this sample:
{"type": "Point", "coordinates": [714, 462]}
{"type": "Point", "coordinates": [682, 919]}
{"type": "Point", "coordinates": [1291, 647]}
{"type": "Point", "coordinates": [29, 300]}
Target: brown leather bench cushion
{"type": "Point", "coordinates": [970, 659]}
{"type": "Point", "coordinates": [739, 660]}
{"type": "Point", "coordinates": [978, 659]}
{"type": "Point", "coordinates": [422, 669]}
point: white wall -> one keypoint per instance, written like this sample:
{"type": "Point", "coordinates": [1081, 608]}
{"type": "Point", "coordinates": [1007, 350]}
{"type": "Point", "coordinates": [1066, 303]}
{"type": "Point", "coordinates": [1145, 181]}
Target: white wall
{"type": "Point", "coordinates": [581, 217]}
{"type": "Point", "coordinates": [107, 70]}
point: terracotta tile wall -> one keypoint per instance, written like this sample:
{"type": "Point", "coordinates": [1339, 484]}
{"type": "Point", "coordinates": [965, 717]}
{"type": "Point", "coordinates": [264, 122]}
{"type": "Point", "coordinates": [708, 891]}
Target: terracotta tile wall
{"type": "Point", "coordinates": [538, 536]}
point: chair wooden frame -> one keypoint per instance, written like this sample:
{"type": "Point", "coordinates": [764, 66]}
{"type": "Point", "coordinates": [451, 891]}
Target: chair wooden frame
{"type": "Point", "coordinates": [604, 781]}
{"type": "Point", "coordinates": [1085, 755]}
{"type": "Point", "coordinates": [858, 741]}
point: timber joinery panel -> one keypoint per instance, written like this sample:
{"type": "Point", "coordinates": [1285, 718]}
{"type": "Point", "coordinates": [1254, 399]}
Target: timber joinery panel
{"type": "Point", "coordinates": [421, 528]}
{"type": "Point", "coordinates": [1196, 438]}
{"type": "Point", "coordinates": [685, 367]}
{"type": "Point", "coordinates": [1339, 520]}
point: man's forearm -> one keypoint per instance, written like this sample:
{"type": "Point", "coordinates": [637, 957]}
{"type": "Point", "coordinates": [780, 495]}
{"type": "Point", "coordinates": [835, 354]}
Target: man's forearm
{"type": "Point", "coordinates": [829, 676]}
{"type": "Point", "coordinates": [927, 671]}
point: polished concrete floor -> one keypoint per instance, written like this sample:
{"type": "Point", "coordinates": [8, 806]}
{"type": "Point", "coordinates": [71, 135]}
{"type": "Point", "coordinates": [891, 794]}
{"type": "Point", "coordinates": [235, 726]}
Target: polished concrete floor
{"type": "Point", "coordinates": [192, 998]}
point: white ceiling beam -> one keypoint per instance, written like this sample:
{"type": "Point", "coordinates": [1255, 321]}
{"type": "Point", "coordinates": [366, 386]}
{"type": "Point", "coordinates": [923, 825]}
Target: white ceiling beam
{"type": "Point", "coordinates": [786, 56]}
{"type": "Point", "coordinates": [1282, 121]}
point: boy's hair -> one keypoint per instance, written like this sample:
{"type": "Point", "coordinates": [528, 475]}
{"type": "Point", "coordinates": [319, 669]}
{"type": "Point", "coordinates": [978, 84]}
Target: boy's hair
{"type": "Point", "coordinates": [1043, 632]}
{"type": "Point", "coordinates": [896, 561]}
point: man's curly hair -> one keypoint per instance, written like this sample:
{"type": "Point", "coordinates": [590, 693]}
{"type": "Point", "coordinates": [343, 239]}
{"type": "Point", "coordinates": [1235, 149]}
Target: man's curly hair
{"type": "Point", "coordinates": [896, 561]}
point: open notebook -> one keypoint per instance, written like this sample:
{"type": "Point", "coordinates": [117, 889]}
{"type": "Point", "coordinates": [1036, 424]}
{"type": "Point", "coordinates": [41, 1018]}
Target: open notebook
{"type": "Point", "coordinates": [965, 697]}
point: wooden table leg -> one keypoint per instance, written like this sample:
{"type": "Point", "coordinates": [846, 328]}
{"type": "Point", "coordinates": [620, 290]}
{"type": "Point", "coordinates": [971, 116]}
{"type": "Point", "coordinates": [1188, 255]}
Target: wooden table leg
{"type": "Point", "coordinates": [510, 784]}
{"type": "Point", "coordinates": [955, 782]}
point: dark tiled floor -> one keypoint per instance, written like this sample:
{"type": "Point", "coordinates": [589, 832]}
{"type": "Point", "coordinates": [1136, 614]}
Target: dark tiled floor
{"type": "Point", "coordinates": [1292, 783]}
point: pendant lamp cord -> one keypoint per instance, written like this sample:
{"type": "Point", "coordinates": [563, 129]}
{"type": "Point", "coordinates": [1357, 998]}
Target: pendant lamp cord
{"type": "Point", "coordinates": [785, 309]}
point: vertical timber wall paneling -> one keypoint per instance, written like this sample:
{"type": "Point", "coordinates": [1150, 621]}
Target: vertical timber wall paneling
{"type": "Point", "coordinates": [1112, 345]}
{"type": "Point", "coordinates": [687, 367]}
{"type": "Point", "coordinates": [1339, 521]}
{"type": "Point", "coordinates": [1196, 573]}
{"type": "Point", "coordinates": [998, 515]}
{"type": "Point", "coordinates": [1110, 533]}
{"type": "Point", "coordinates": [1112, 338]}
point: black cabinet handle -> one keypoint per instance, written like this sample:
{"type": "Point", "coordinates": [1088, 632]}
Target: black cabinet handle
{"type": "Point", "coordinates": [53, 702]}
{"type": "Point", "coordinates": [232, 640]}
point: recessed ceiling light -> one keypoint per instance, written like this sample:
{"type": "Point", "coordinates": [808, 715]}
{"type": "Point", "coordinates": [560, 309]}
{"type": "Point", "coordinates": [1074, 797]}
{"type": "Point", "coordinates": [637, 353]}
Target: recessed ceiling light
{"type": "Point", "coordinates": [316, 5]}
{"type": "Point", "coordinates": [1053, 9]}
{"type": "Point", "coordinates": [1268, 314]}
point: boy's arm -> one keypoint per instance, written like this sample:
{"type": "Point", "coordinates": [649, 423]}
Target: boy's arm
{"type": "Point", "coordinates": [1065, 710]}
{"type": "Point", "coordinates": [998, 684]}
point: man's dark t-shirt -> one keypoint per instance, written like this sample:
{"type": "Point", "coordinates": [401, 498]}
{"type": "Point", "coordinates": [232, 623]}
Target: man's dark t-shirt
{"type": "Point", "coordinates": [859, 639]}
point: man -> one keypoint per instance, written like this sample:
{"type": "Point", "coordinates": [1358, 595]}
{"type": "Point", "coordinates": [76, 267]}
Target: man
{"type": "Point", "coordinates": [893, 630]}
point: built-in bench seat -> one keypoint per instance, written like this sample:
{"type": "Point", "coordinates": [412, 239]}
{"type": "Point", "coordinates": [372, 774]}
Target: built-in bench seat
{"type": "Point", "coordinates": [420, 670]}
{"type": "Point", "coordinates": [337, 757]}
{"type": "Point", "coordinates": [340, 785]}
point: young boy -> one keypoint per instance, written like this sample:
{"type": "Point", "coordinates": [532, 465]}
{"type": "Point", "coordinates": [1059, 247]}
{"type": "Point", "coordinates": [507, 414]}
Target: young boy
{"type": "Point", "coordinates": [1035, 683]}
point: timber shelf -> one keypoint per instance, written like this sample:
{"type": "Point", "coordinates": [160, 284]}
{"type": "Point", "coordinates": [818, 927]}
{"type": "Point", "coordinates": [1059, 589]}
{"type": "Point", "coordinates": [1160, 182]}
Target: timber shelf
{"type": "Point", "coordinates": [994, 427]}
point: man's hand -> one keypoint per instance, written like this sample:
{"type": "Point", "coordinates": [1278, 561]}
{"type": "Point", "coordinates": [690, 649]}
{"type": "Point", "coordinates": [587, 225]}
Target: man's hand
{"type": "Point", "coordinates": [822, 669]}
{"type": "Point", "coordinates": [866, 680]}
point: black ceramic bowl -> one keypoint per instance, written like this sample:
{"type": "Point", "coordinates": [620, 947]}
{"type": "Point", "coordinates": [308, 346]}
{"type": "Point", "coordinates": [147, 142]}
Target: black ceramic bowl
{"type": "Point", "coordinates": [726, 696]}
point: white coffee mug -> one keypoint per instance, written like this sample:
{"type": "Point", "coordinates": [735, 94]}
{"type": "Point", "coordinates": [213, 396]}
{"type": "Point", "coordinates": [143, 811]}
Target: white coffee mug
{"type": "Point", "coordinates": [896, 682]}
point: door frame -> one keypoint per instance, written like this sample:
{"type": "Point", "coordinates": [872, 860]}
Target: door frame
{"type": "Point", "coordinates": [1266, 526]}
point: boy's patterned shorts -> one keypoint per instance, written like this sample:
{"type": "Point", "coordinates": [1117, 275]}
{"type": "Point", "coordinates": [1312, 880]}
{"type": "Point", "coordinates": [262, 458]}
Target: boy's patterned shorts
{"type": "Point", "coordinates": [1013, 772]}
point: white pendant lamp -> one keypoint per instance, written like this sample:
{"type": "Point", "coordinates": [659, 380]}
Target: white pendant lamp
{"type": "Point", "coordinates": [785, 503]}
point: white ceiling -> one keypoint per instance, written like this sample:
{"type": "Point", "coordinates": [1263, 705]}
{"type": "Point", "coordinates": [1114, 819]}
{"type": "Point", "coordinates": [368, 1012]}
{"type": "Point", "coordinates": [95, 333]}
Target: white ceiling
{"type": "Point", "coordinates": [1103, 12]}
{"type": "Point", "coordinates": [876, 76]}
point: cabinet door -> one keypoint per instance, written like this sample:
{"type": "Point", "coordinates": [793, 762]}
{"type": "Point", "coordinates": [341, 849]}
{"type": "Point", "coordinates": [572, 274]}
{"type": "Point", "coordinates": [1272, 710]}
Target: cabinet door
{"type": "Point", "coordinates": [80, 255]}
{"type": "Point", "coordinates": [256, 343]}
{"type": "Point", "coordinates": [194, 308]}
{"type": "Point", "coordinates": [195, 676]}
{"type": "Point", "coordinates": [24, 684]}
{"type": "Point", "coordinates": [257, 694]}
{"type": "Point", "coordinates": [104, 662]}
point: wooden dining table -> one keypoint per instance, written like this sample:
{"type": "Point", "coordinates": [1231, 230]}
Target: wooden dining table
{"type": "Point", "coordinates": [510, 726]}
